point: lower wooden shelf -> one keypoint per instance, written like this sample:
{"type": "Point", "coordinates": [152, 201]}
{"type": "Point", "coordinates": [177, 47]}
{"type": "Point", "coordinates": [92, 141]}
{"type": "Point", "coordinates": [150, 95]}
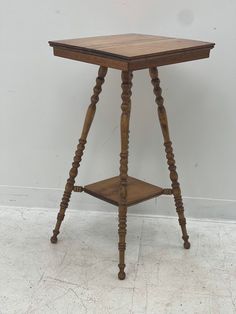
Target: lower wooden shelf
{"type": "Point", "coordinates": [137, 190]}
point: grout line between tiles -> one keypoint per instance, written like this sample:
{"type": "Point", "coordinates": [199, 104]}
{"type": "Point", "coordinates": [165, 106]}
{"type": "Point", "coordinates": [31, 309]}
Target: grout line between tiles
{"type": "Point", "coordinates": [136, 270]}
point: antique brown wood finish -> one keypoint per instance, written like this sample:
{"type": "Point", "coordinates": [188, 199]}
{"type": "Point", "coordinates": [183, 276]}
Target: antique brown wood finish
{"type": "Point", "coordinates": [127, 52]}
{"type": "Point", "coordinates": [131, 51]}
{"type": "Point", "coordinates": [169, 154]}
{"type": "Point", "coordinates": [137, 190]}
{"type": "Point", "coordinates": [124, 128]}
{"type": "Point", "coordinates": [79, 151]}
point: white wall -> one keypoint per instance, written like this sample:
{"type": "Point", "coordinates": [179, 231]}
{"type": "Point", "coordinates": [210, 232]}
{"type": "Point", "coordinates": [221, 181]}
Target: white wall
{"type": "Point", "coordinates": [44, 99]}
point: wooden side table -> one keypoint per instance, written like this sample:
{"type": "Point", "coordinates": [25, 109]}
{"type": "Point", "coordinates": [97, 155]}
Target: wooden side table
{"type": "Point", "coordinates": [127, 52]}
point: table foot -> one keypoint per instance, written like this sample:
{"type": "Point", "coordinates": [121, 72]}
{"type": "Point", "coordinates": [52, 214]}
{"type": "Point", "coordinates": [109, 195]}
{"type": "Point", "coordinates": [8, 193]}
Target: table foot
{"type": "Point", "coordinates": [121, 275]}
{"type": "Point", "coordinates": [187, 245]}
{"type": "Point", "coordinates": [53, 239]}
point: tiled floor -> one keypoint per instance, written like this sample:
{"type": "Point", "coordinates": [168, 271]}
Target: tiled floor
{"type": "Point", "coordinates": [79, 274]}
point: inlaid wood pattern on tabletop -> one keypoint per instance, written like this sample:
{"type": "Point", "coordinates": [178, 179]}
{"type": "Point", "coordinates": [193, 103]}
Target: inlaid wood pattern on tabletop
{"type": "Point", "coordinates": [131, 51]}
{"type": "Point", "coordinates": [137, 190]}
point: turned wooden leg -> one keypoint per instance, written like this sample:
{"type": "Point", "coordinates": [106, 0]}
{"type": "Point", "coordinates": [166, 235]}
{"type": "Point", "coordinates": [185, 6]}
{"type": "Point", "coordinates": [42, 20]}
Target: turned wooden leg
{"type": "Point", "coordinates": [124, 128]}
{"type": "Point", "coordinates": [79, 151]}
{"type": "Point", "coordinates": [169, 154]}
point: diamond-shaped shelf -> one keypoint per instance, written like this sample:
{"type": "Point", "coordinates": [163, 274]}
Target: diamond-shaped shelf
{"type": "Point", "coordinates": [137, 190]}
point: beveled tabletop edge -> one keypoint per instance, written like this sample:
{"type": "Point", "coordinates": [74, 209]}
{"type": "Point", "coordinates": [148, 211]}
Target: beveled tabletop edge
{"type": "Point", "coordinates": [92, 51]}
{"type": "Point", "coordinates": [89, 51]}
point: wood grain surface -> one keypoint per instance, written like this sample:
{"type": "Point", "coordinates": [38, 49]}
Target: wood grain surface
{"type": "Point", "coordinates": [131, 51]}
{"type": "Point", "coordinates": [137, 190]}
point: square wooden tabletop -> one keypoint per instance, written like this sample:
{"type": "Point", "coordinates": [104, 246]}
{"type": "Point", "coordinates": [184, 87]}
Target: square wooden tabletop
{"type": "Point", "coordinates": [131, 51]}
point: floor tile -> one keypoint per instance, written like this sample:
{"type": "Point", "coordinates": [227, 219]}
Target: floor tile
{"type": "Point", "coordinates": [79, 273]}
